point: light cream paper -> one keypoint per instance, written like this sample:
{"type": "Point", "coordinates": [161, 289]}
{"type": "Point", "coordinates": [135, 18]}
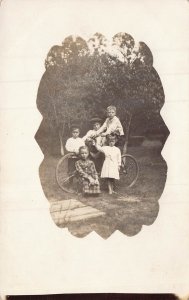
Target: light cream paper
{"type": "Point", "coordinates": [37, 256]}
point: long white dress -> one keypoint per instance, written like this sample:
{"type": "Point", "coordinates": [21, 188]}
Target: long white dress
{"type": "Point", "coordinates": [110, 168]}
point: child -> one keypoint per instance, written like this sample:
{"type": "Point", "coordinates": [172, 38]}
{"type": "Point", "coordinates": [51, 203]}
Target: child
{"type": "Point", "coordinates": [112, 125]}
{"type": "Point", "coordinates": [75, 142]}
{"type": "Point", "coordinates": [96, 126]}
{"type": "Point", "coordinates": [112, 162]}
{"type": "Point", "coordinates": [72, 145]}
{"type": "Point", "coordinates": [96, 156]}
{"type": "Point", "coordinates": [87, 172]}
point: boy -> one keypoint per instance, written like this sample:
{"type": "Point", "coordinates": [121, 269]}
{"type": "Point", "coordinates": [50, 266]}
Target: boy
{"type": "Point", "coordinates": [111, 126]}
{"type": "Point", "coordinates": [72, 145]}
{"type": "Point", "coordinates": [75, 142]}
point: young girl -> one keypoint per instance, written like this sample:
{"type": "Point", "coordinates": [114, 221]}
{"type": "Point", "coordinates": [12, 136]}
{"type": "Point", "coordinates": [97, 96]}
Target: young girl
{"type": "Point", "coordinates": [87, 172]}
{"type": "Point", "coordinates": [112, 162]}
{"type": "Point", "coordinates": [112, 125]}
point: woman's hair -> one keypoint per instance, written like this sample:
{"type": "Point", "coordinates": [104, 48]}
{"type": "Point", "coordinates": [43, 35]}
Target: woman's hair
{"type": "Point", "coordinates": [83, 147]}
{"type": "Point", "coordinates": [111, 107]}
{"type": "Point", "coordinates": [111, 137]}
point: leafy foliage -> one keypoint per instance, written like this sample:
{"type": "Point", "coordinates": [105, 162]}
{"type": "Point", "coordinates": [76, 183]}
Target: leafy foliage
{"type": "Point", "coordinates": [83, 78]}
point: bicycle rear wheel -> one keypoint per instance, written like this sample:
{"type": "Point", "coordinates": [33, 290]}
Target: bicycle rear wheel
{"type": "Point", "coordinates": [66, 180]}
{"type": "Point", "coordinates": [129, 170]}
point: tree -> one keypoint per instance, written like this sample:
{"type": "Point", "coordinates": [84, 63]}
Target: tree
{"type": "Point", "coordinates": [83, 78]}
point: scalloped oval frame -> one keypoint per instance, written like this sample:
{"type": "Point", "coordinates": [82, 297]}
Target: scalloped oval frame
{"type": "Point", "coordinates": [81, 79]}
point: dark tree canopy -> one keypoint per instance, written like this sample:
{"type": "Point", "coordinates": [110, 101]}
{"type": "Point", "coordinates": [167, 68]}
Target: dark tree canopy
{"type": "Point", "coordinates": [83, 77]}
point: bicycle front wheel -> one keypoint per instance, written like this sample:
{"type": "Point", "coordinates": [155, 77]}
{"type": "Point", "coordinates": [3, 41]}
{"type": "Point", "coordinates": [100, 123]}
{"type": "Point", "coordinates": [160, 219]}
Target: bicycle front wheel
{"type": "Point", "coordinates": [65, 178]}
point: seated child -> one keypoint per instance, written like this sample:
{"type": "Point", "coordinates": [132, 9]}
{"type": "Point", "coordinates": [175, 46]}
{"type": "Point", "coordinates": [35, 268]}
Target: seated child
{"type": "Point", "coordinates": [87, 172]}
{"type": "Point", "coordinates": [112, 125]}
{"type": "Point", "coordinates": [112, 162]}
{"type": "Point", "coordinates": [72, 145]}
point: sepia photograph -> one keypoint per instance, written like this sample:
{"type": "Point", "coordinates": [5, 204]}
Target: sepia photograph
{"type": "Point", "coordinates": [101, 135]}
{"type": "Point", "coordinates": [94, 152]}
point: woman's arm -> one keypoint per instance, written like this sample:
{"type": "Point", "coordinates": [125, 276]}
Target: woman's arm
{"type": "Point", "coordinates": [99, 148]}
{"type": "Point", "coordinates": [119, 127]}
{"type": "Point", "coordinates": [89, 134]}
{"type": "Point", "coordinates": [102, 128]}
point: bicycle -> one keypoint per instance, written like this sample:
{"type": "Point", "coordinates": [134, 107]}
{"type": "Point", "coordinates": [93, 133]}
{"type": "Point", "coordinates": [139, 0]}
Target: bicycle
{"type": "Point", "coordinates": [128, 173]}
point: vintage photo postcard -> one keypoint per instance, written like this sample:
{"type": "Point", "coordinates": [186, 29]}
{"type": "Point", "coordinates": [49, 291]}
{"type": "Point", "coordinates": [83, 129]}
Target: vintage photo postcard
{"type": "Point", "coordinates": [102, 135]}
{"type": "Point", "coordinates": [94, 146]}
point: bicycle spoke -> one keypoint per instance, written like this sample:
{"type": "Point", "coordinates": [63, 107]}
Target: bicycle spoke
{"type": "Point", "coordinates": [64, 179]}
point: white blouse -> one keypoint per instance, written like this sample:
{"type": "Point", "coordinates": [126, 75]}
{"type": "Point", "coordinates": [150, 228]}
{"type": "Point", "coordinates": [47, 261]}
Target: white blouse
{"type": "Point", "coordinates": [111, 125]}
{"type": "Point", "coordinates": [73, 145]}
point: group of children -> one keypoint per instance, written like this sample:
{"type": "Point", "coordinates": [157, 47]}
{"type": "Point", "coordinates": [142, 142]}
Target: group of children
{"type": "Point", "coordinates": [101, 139]}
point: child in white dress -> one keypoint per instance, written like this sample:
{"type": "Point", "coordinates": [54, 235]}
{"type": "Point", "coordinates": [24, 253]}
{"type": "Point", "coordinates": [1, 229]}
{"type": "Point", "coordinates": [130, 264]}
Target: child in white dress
{"type": "Point", "coordinates": [112, 162]}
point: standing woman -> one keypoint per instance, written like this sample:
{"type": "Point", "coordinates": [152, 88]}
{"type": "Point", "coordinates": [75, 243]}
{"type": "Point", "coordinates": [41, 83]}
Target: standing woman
{"type": "Point", "coordinates": [112, 162]}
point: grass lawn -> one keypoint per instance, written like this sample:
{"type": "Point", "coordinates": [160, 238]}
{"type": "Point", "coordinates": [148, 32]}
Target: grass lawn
{"type": "Point", "coordinates": [127, 210]}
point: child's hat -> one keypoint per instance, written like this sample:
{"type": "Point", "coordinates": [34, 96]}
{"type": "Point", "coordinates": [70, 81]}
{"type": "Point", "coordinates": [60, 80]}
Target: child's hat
{"type": "Point", "coordinates": [95, 120]}
{"type": "Point", "coordinates": [75, 125]}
